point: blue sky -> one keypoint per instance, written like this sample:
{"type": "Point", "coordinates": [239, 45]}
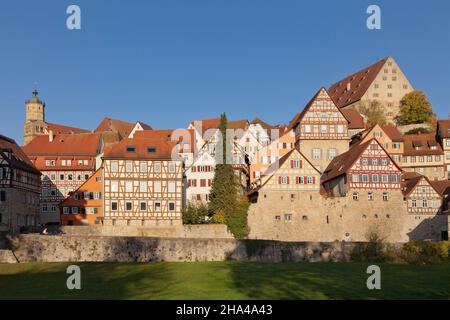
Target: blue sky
{"type": "Point", "coordinates": [167, 62]}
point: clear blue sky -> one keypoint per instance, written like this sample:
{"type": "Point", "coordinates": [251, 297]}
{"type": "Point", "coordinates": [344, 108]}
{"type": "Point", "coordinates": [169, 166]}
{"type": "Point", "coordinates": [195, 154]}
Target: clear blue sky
{"type": "Point", "coordinates": [167, 62]}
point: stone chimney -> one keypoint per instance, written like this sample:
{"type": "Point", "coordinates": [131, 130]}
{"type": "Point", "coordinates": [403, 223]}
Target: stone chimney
{"type": "Point", "coordinates": [50, 136]}
{"type": "Point", "coordinates": [349, 86]}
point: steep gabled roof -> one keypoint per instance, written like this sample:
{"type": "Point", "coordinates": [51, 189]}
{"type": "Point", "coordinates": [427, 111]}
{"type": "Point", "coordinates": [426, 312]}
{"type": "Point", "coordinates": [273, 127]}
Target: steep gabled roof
{"type": "Point", "coordinates": [343, 162]}
{"type": "Point", "coordinates": [237, 124]}
{"type": "Point", "coordinates": [355, 119]}
{"type": "Point", "coordinates": [393, 133]}
{"type": "Point", "coordinates": [441, 186]}
{"type": "Point", "coordinates": [410, 182]}
{"type": "Point", "coordinates": [124, 128]}
{"type": "Point", "coordinates": [206, 124]}
{"type": "Point", "coordinates": [443, 128]}
{"type": "Point", "coordinates": [299, 116]}
{"type": "Point", "coordinates": [263, 124]}
{"type": "Point", "coordinates": [19, 159]}
{"type": "Point", "coordinates": [358, 82]}
{"type": "Point", "coordinates": [86, 144]}
{"type": "Point", "coordinates": [58, 129]}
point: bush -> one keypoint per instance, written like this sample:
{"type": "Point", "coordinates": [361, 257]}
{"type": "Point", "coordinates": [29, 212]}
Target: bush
{"type": "Point", "coordinates": [218, 217]}
{"type": "Point", "coordinates": [375, 250]}
{"type": "Point", "coordinates": [195, 213]}
{"type": "Point", "coordinates": [425, 252]}
{"type": "Point", "coordinates": [419, 130]}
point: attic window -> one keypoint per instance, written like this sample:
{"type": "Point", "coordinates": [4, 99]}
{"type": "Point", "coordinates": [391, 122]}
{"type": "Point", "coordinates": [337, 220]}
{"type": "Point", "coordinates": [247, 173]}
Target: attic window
{"type": "Point", "coordinates": [151, 149]}
{"type": "Point", "coordinates": [131, 149]}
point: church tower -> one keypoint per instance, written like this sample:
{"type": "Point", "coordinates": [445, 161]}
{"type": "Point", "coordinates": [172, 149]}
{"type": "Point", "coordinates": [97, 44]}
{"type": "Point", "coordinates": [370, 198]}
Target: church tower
{"type": "Point", "coordinates": [34, 118]}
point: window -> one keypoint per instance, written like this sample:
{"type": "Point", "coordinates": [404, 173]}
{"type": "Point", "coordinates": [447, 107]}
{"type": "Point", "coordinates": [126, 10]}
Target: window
{"type": "Point", "coordinates": [157, 186]}
{"type": "Point", "coordinates": [316, 154]}
{"type": "Point", "coordinates": [374, 178]}
{"type": "Point", "coordinates": [171, 206]}
{"type": "Point", "coordinates": [157, 167]}
{"type": "Point", "coordinates": [128, 186]}
{"type": "Point", "coordinates": [395, 145]}
{"type": "Point", "coordinates": [171, 186]}
{"type": "Point", "coordinates": [438, 158]}
{"type": "Point", "coordinates": [310, 180]}
{"type": "Point", "coordinates": [355, 196]}
{"type": "Point", "coordinates": [414, 203]}
{"type": "Point", "coordinates": [113, 205]}
{"type": "Point", "coordinates": [424, 203]}
{"type": "Point", "coordinates": [296, 164]}
{"type": "Point", "coordinates": [171, 167]}
{"type": "Point", "coordinates": [61, 177]}
{"type": "Point", "coordinates": [288, 217]}
{"type": "Point", "coordinates": [340, 128]}
{"type": "Point", "coordinates": [151, 149]}
{"type": "Point", "coordinates": [377, 134]}
{"type": "Point", "coordinates": [114, 186]}
{"type": "Point", "coordinates": [128, 206]}
{"type": "Point", "coordinates": [157, 205]}
{"type": "Point", "coordinates": [385, 196]}
{"type": "Point", "coordinates": [114, 166]}
{"type": "Point", "coordinates": [143, 206]}
{"type": "Point", "coordinates": [3, 196]}
{"type": "Point", "coordinates": [143, 167]}
{"type": "Point", "coordinates": [323, 128]}
{"type": "Point", "coordinates": [429, 158]}
{"type": "Point", "coordinates": [307, 128]}
{"type": "Point", "coordinates": [277, 218]}
{"type": "Point", "coordinates": [332, 152]}
{"type": "Point", "coordinates": [131, 149]}
{"type": "Point", "coordinates": [143, 186]}
{"type": "Point", "coordinates": [373, 162]}
{"type": "Point", "coordinates": [364, 178]}
{"type": "Point", "coordinates": [129, 166]}
{"type": "Point", "coordinates": [44, 207]}
{"type": "Point", "coordinates": [370, 196]}
{"type": "Point", "coordinates": [284, 180]}
{"type": "Point", "coordinates": [355, 178]}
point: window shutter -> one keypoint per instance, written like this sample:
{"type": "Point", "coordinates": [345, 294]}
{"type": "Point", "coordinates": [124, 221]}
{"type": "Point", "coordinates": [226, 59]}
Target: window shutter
{"type": "Point", "coordinates": [292, 163]}
{"type": "Point", "coordinates": [279, 180]}
{"type": "Point", "coordinates": [305, 180]}
{"type": "Point", "coordinates": [189, 182]}
{"type": "Point", "coordinates": [193, 169]}
{"type": "Point", "coordinates": [301, 163]}
{"type": "Point", "coordinates": [314, 180]}
{"type": "Point", "coordinates": [287, 179]}
{"type": "Point", "coordinates": [296, 180]}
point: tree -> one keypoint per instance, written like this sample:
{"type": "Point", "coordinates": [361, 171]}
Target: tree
{"type": "Point", "coordinates": [223, 195]}
{"type": "Point", "coordinates": [415, 108]}
{"type": "Point", "coordinates": [373, 113]}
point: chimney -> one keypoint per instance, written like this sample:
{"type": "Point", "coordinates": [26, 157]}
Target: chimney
{"type": "Point", "coordinates": [349, 86]}
{"type": "Point", "coordinates": [50, 136]}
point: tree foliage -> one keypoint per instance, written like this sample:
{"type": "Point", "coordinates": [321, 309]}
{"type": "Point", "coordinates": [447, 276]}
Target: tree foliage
{"type": "Point", "coordinates": [374, 113]}
{"type": "Point", "coordinates": [415, 108]}
{"type": "Point", "coordinates": [195, 213]}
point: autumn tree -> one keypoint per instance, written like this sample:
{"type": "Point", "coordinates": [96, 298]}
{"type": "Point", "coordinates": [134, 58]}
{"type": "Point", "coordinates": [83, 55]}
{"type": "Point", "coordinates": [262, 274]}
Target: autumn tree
{"type": "Point", "coordinates": [373, 113]}
{"type": "Point", "coordinates": [415, 108]}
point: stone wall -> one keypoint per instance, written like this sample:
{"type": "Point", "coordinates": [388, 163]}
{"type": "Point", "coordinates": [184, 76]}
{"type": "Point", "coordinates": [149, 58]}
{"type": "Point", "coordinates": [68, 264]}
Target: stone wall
{"type": "Point", "coordinates": [39, 248]}
{"type": "Point", "coordinates": [7, 256]}
{"type": "Point", "coordinates": [315, 218]}
{"type": "Point", "coordinates": [210, 231]}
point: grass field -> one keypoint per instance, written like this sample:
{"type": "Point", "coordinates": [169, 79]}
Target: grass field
{"type": "Point", "coordinates": [223, 280]}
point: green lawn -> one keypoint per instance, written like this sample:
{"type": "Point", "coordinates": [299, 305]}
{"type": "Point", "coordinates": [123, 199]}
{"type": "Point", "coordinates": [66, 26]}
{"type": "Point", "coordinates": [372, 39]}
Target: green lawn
{"type": "Point", "coordinates": [223, 280]}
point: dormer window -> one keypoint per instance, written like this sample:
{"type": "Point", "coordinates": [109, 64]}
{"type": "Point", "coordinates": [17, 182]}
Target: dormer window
{"type": "Point", "coordinates": [151, 149]}
{"type": "Point", "coordinates": [131, 149]}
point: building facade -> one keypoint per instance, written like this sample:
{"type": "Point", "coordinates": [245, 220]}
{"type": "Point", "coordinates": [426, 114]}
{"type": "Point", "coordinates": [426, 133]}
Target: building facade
{"type": "Point", "coordinates": [424, 155]}
{"type": "Point", "coordinates": [66, 162]}
{"type": "Point", "coordinates": [19, 189]}
{"type": "Point", "coordinates": [143, 185]}
{"type": "Point", "coordinates": [84, 205]}
{"type": "Point", "coordinates": [321, 130]}
{"type": "Point", "coordinates": [443, 135]}
{"type": "Point", "coordinates": [421, 195]}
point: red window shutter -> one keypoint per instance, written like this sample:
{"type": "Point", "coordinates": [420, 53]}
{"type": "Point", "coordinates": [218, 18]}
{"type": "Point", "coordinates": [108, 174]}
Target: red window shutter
{"type": "Point", "coordinates": [189, 182]}
{"type": "Point", "coordinates": [279, 180]}
{"type": "Point", "coordinates": [296, 180]}
{"type": "Point", "coordinates": [193, 169]}
{"type": "Point", "coordinates": [301, 163]}
{"type": "Point", "coordinates": [287, 180]}
{"type": "Point", "coordinates": [292, 163]}
{"type": "Point", "coordinates": [305, 180]}
{"type": "Point", "coordinates": [199, 197]}
{"type": "Point", "coordinates": [314, 180]}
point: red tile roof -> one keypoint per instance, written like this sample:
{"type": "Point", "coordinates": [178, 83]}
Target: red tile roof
{"type": "Point", "coordinates": [424, 141]}
{"type": "Point", "coordinates": [393, 133]}
{"type": "Point", "coordinates": [443, 128]}
{"type": "Point", "coordinates": [19, 158]}
{"type": "Point", "coordinates": [356, 120]}
{"type": "Point", "coordinates": [85, 144]}
{"type": "Point", "coordinates": [124, 128]}
{"type": "Point", "coordinates": [441, 186]}
{"type": "Point", "coordinates": [184, 136]}
{"type": "Point", "coordinates": [359, 82]}
{"type": "Point", "coordinates": [157, 140]}
{"type": "Point", "coordinates": [206, 124]}
{"type": "Point", "coordinates": [59, 129]}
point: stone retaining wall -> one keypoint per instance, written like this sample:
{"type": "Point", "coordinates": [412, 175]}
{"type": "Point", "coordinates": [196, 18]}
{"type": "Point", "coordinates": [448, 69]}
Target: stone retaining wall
{"type": "Point", "coordinates": [39, 248]}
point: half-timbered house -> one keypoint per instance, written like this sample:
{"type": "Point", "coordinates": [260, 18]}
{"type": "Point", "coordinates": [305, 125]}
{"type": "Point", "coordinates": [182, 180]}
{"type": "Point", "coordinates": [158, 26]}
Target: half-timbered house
{"type": "Point", "coordinates": [321, 130]}
{"type": "Point", "coordinates": [19, 188]}
{"type": "Point", "coordinates": [366, 166]}
{"type": "Point", "coordinates": [66, 162]}
{"type": "Point", "coordinates": [421, 195]}
{"type": "Point", "coordinates": [143, 182]}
